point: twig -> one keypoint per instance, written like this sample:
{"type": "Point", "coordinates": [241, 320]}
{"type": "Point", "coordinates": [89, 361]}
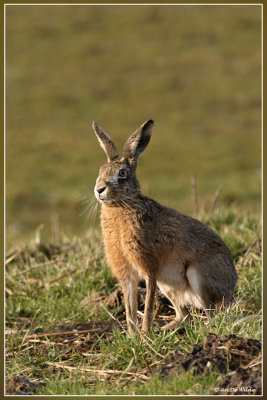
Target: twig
{"type": "Point", "coordinates": [98, 371]}
{"type": "Point", "coordinates": [215, 199]}
{"type": "Point", "coordinates": [143, 337]}
{"type": "Point", "coordinates": [247, 252]}
{"type": "Point", "coordinates": [19, 318]}
{"type": "Point", "coordinates": [55, 228]}
{"type": "Point", "coordinates": [73, 332]}
{"type": "Point", "coordinates": [28, 348]}
{"type": "Point", "coordinates": [194, 194]}
{"type": "Point", "coordinates": [32, 267]}
{"type": "Point", "coordinates": [9, 259]}
{"type": "Point", "coordinates": [9, 292]}
{"type": "Point", "coordinates": [66, 274]}
{"type": "Point", "coordinates": [11, 331]}
{"type": "Point", "coordinates": [147, 364]}
{"type": "Point", "coordinates": [19, 372]}
{"type": "Point", "coordinates": [43, 341]}
{"type": "Point", "coordinates": [252, 365]}
{"type": "Point", "coordinates": [251, 246]}
{"type": "Point", "coordinates": [115, 319]}
{"type": "Point", "coordinates": [11, 353]}
{"type": "Point", "coordinates": [254, 362]}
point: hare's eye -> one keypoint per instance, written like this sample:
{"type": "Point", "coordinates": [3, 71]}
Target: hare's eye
{"type": "Point", "coordinates": [122, 173]}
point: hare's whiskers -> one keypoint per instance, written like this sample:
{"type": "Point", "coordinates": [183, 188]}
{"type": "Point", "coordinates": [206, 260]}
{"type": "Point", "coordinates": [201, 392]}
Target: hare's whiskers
{"type": "Point", "coordinates": [126, 205]}
{"type": "Point", "coordinates": [92, 210]}
{"type": "Point", "coordinates": [94, 214]}
{"type": "Point", "coordinates": [86, 206]}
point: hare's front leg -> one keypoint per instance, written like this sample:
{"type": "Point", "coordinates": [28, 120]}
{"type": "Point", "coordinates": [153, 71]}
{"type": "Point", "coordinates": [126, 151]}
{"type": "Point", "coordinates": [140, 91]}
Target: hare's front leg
{"type": "Point", "coordinates": [149, 302]}
{"type": "Point", "coordinates": [129, 285]}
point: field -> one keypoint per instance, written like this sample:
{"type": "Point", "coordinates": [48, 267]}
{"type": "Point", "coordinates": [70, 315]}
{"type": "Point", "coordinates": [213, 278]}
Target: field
{"type": "Point", "coordinates": [195, 70]}
{"type": "Point", "coordinates": [66, 324]}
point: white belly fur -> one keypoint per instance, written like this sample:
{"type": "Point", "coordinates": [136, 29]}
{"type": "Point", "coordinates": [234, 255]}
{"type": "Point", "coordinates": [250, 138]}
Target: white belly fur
{"type": "Point", "coordinates": [180, 290]}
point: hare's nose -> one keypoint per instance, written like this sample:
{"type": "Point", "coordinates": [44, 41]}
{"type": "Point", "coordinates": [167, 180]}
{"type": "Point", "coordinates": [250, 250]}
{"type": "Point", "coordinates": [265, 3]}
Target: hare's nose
{"type": "Point", "coordinates": [100, 190]}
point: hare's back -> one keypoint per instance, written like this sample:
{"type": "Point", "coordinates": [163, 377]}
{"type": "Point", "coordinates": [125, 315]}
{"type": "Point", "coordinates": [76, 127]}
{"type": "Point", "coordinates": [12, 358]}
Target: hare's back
{"type": "Point", "coordinates": [192, 235]}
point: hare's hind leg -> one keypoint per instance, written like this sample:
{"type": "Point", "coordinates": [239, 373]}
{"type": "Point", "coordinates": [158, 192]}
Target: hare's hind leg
{"type": "Point", "coordinates": [182, 317]}
{"type": "Point", "coordinates": [176, 298]}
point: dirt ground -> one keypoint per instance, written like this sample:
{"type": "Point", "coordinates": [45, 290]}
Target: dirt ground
{"type": "Point", "coordinates": [238, 359]}
{"type": "Point", "coordinates": [20, 385]}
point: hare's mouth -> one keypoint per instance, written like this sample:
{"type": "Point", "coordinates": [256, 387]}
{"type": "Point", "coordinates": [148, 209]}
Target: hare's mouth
{"type": "Point", "coordinates": [100, 196]}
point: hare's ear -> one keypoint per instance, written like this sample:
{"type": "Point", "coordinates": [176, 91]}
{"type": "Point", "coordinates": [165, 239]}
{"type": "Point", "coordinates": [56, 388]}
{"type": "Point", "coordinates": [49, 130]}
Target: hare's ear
{"type": "Point", "coordinates": [138, 141]}
{"type": "Point", "coordinates": [105, 142]}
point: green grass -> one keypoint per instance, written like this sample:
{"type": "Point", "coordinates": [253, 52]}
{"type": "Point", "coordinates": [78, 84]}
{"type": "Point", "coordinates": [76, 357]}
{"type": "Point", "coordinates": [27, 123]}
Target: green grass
{"type": "Point", "coordinates": [194, 69]}
{"type": "Point", "coordinates": [41, 296]}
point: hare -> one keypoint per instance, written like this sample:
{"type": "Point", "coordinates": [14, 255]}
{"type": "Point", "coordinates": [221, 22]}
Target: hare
{"type": "Point", "coordinates": [143, 239]}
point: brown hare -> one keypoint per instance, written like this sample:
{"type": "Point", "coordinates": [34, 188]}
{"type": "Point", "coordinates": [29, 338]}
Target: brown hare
{"type": "Point", "coordinates": [189, 262]}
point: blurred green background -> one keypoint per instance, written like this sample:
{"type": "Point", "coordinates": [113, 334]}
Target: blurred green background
{"type": "Point", "coordinates": [195, 70]}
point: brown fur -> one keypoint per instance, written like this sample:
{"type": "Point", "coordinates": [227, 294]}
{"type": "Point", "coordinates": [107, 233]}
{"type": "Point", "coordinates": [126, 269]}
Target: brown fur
{"type": "Point", "coordinates": [189, 262]}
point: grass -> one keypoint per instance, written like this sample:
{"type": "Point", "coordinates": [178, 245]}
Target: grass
{"type": "Point", "coordinates": [54, 284]}
{"type": "Point", "coordinates": [194, 69]}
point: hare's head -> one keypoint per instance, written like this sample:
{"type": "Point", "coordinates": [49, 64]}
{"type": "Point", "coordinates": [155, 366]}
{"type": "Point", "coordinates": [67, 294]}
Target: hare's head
{"type": "Point", "coordinates": [116, 181]}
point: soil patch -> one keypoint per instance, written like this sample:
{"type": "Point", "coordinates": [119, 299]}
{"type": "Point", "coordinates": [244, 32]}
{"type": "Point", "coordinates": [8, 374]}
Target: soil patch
{"type": "Point", "coordinates": [239, 359]}
{"type": "Point", "coordinates": [20, 385]}
{"type": "Point", "coordinates": [115, 302]}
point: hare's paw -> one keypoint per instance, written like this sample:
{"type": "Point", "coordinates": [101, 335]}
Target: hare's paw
{"type": "Point", "coordinates": [178, 323]}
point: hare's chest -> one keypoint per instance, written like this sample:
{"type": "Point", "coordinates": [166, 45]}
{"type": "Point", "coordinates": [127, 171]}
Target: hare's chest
{"type": "Point", "coordinates": [122, 233]}
{"type": "Point", "coordinates": [111, 232]}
